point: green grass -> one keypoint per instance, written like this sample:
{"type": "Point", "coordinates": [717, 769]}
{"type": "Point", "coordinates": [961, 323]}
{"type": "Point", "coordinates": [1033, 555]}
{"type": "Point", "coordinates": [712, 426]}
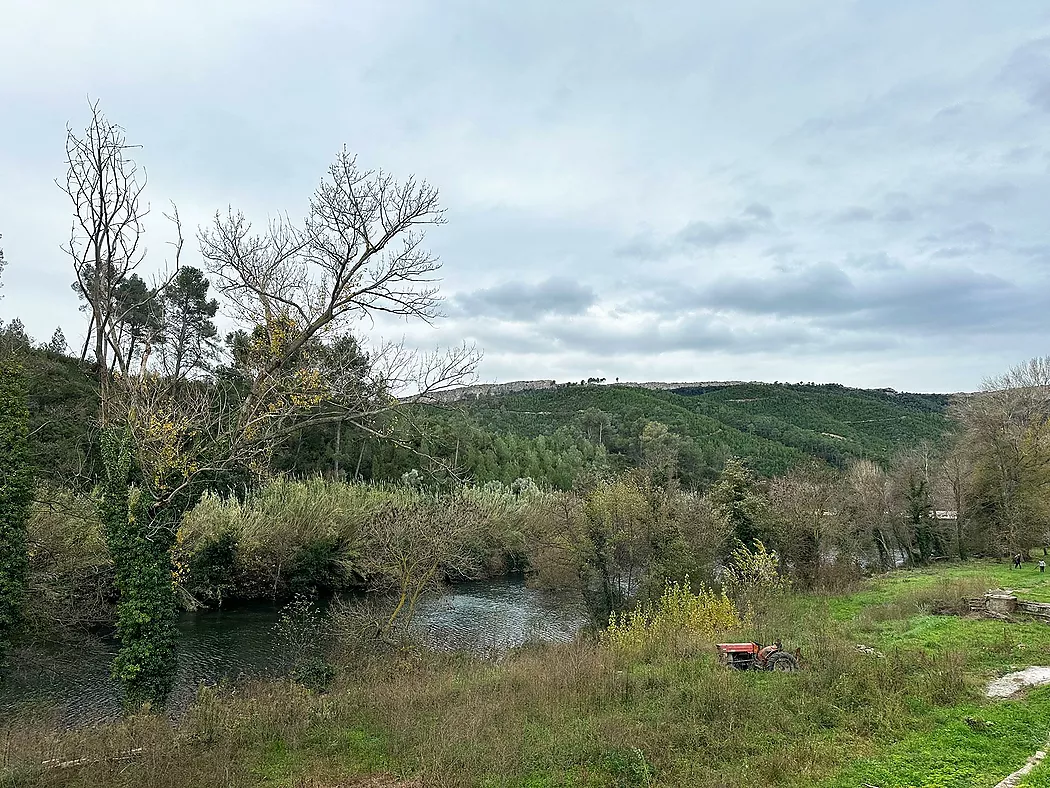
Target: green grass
{"type": "Point", "coordinates": [585, 715]}
{"type": "Point", "coordinates": [948, 753]}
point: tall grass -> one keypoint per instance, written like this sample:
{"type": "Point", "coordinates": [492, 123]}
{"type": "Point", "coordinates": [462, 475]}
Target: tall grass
{"type": "Point", "coordinates": [293, 535]}
{"type": "Point", "coordinates": [581, 713]}
{"type": "Point", "coordinates": [944, 596]}
{"type": "Point", "coordinates": [70, 580]}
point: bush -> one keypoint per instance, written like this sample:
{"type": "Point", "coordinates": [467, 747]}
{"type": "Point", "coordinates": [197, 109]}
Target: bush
{"type": "Point", "coordinates": [301, 635]}
{"type": "Point", "coordinates": [212, 571]}
{"type": "Point", "coordinates": [290, 536]}
{"type": "Point", "coordinates": [16, 494]}
{"type": "Point", "coordinates": [70, 569]}
{"type": "Point", "coordinates": [752, 581]}
{"type": "Point", "coordinates": [679, 618]}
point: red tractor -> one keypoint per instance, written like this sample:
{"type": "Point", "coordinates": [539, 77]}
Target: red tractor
{"type": "Point", "coordinates": [752, 656]}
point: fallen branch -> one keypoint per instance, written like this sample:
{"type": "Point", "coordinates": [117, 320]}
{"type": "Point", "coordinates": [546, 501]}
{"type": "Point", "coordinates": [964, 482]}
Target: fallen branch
{"type": "Point", "coordinates": [55, 763]}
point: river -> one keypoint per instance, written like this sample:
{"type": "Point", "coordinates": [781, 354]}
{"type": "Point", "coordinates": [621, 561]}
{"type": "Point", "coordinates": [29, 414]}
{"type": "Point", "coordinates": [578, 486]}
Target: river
{"type": "Point", "coordinates": [71, 683]}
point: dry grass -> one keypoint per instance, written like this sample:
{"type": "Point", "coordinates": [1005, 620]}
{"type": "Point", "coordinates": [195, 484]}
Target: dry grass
{"type": "Point", "coordinates": [945, 596]}
{"type": "Point", "coordinates": [575, 714]}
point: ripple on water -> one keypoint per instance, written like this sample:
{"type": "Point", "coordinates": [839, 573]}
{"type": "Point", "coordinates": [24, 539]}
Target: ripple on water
{"type": "Point", "coordinates": [71, 682]}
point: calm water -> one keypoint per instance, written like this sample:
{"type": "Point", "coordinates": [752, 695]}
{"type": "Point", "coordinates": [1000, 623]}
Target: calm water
{"type": "Point", "coordinates": [73, 681]}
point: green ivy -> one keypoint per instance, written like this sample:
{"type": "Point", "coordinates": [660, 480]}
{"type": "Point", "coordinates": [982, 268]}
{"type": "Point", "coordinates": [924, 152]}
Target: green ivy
{"type": "Point", "coordinates": [140, 541]}
{"type": "Point", "coordinates": [16, 494]}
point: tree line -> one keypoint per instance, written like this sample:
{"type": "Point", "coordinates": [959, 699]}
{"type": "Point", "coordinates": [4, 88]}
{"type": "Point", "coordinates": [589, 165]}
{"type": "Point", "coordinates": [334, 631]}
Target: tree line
{"type": "Point", "coordinates": [168, 424]}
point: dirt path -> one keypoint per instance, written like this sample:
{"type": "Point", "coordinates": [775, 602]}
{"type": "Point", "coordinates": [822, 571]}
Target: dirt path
{"type": "Point", "coordinates": [1012, 683]}
{"type": "Point", "coordinates": [1007, 686]}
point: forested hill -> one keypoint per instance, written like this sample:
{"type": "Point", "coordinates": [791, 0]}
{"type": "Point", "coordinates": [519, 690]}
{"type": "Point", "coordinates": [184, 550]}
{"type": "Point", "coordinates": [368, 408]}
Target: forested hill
{"type": "Point", "coordinates": [551, 435]}
{"type": "Point", "coordinates": [772, 426]}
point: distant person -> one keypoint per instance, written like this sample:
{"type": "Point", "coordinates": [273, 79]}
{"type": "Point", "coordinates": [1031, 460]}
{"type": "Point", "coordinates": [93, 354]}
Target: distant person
{"type": "Point", "coordinates": [1017, 561]}
{"type": "Point", "coordinates": [1042, 565]}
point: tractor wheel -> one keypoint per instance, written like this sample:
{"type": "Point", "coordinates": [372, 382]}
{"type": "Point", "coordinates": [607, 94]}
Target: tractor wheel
{"type": "Point", "coordinates": [781, 660]}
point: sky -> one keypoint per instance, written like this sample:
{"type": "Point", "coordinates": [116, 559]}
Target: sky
{"type": "Point", "coordinates": [851, 191]}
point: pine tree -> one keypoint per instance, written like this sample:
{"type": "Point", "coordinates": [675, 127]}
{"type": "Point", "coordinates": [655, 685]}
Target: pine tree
{"type": "Point", "coordinates": [57, 345]}
{"type": "Point", "coordinates": [188, 313]}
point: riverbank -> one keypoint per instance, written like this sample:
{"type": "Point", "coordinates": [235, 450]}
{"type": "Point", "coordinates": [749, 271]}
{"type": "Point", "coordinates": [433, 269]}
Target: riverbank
{"type": "Point", "coordinates": [70, 679]}
{"type": "Point", "coordinates": [586, 714]}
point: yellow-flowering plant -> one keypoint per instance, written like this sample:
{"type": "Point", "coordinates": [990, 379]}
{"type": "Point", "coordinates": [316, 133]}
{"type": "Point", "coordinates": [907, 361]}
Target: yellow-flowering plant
{"type": "Point", "coordinates": [680, 619]}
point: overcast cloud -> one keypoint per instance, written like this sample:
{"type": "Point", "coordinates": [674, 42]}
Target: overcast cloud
{"type": "Point", "coordinates": [777, 190]}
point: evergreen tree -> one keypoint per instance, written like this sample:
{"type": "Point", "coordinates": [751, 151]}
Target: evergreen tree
{"type": "Point", "coordinates": [140, 317]}
{"type": "Point", "coordinates": [15, 336]}
{"type": "Point", "coordinates": [190, 332]}
{"type": "Point", "coordinates": [737, 499]}
{"type": "Point", "coordinates": [57, 345]}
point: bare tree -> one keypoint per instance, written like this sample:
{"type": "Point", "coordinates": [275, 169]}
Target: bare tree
{"type": "Point", "coordinates": [291, 289]}
{"type": "Point", "coordinates": [864, 504]}
{"type": "Point", "coordinates": [1007, 428]}
{"type": "Point", "coordinates": [106, 188]}
{"type": "Point", "coordinates": [807, 529]}
{"type": "Point", "coordinates": [956, 472]}
{"type": "Point", "coordinates": [359, 253]}
{"type": "Point", "coordinates": [410, 546]}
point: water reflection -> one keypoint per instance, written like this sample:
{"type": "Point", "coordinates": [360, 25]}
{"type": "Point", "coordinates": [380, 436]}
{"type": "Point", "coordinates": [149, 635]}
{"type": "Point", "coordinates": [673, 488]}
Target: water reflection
{"type": "Point", "coordinates": [71, 683]}
{"type": "Point", "coordinates": [496, 616]}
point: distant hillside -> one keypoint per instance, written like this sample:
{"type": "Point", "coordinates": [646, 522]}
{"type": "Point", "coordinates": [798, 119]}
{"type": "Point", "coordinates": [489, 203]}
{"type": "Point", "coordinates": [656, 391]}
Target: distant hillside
{"type": "Point", "coordinates": [773, 426]}
{"type": "Point", "coordinates": [478, 390]}
{"type": "Point", "coordinates": [549, 432]}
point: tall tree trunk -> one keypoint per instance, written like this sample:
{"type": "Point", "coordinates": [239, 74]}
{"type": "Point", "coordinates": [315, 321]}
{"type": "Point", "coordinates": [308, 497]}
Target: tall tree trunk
{"type": "Point", "coordinates": [140, 542]}
{"type": "Point", "coordinates": [360, 456]}
{"type": "Point", "coordinates": [338, 446]}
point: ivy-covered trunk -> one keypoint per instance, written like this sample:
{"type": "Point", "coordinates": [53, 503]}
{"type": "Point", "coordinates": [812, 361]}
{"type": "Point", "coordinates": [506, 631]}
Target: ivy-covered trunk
{"type": "Point", "coordinates": [16, 494]}
{"type": "Point", "coordinates": [140, 541]}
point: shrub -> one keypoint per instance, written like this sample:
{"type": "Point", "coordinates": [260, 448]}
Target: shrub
{"type": "Point", "coordinates": [751, 579]}
{"type": "Point", "coordinates": [212, 570]}
{"type": "Point", "coordinates": [16, 493]}
{"type": "Point", "coordinates": [70, 581]}
{"type": "Point", "coordinates": [301, 633]}
{"type": "Point", "coordinates": [680, 618]}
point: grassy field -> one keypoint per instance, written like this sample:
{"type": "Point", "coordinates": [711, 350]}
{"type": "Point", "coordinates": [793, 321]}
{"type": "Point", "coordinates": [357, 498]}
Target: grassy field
{"type": "Point", "coordinates": [584, 714]}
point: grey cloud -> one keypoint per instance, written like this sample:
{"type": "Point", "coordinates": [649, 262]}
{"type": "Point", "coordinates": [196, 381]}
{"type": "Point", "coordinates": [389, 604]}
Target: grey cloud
{"type": "Point", "coordinates": [816, 289]}
{"type": "Point", "coordinates": [1020, 154]}
{"type": "Point", "coordinates": [523, 301]}
{"type": "Point", "coordinates": [1003, 192]}
{"type": "Point", "coordinates": [966, 239]}
{"type": "Point", "coordinates": [976, 232]}
{"type": "Point", "coordinates": [779, 250]}
{"type": "Point", "coordinates": [697, 236]}
{"type": "Point", "coordinates": [952, 252]}
{"type": "Point", "coordinates": [757, 210]}
{"type": "Point", "coordinates": [874, 261]}
{"type": "Point", "coordinates": [898, 214]}
{"type": "Point", "coordinates": [705, 235]}
{"type": "Point", "coordinates": [952, 111]}
{"type": "Point", "coordinates": [854, 213]}
{"type": "Point", "coordinates": [1029, 70]}
{"type": "Point", "coordinates": [703, 331]}
{"type": "Point", "coordinates": [1040, 252]}
{"type": "Point", "coordinates": [557, 131]}
{"type": "Point", "coordinates": [894, 301]}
